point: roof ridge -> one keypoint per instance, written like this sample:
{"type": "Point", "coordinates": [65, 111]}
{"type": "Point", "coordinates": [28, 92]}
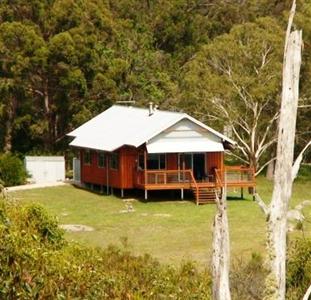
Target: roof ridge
{"type": "Point", "coordinates": [146, 109]}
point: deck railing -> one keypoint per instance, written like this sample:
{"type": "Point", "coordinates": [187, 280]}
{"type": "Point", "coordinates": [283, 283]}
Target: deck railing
{"type": "Point", "coordinates": [164, 177]}
{"type": "Point", "coordinates": [235, 176]}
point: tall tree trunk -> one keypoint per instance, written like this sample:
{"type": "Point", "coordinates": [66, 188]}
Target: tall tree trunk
{"type": "Point", "coordinates": [252, 160]}
{"type": "Point", "coordinates": [10, 114]}
{"type": "Point", "coordinates": [7, 144]}
{"type": "Point", "coordinates": [271, 165]}
{"type": "Point", "coordinates": [277, 217]}
{"type": "Point", "coordinates": [270, 170]}
{"type": "Point", "coordinates": [221, 251]}
{"type": "Point", "coordinates": [49, 137]}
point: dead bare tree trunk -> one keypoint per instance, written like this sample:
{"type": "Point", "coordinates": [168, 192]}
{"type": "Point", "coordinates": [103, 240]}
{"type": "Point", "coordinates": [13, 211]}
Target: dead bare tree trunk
{"type": "Point", "coordinates": [277, 224]}
{"type": "Point", "coordinates": [276, 212]}
{"type": "Point", "coordinates": [221, 250]}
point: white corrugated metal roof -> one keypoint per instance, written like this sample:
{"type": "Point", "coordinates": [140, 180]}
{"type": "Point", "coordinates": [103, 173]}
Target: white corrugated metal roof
{"type": "Point", "coordinates": [123, 125]}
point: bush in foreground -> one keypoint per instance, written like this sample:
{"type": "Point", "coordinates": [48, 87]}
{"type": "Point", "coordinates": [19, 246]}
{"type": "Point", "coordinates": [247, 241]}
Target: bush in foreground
{"type": "Point", "coordinates": [12, 170]}
{"type": "Point", "coordinates": [298, 268]}
{"type": "Point", "coordinates": [37, 263]}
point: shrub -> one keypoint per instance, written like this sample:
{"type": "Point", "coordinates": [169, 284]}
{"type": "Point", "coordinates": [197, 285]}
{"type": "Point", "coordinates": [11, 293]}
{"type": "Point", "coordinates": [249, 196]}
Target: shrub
{"type": "Point", "coordinates": [304, 173]}
{"type": "Point", "coordinates": [69, 174]}
{"type": "Point", "coordinates": [298, 268]}
{"type": "Point", "coordinates": [247, 278]}
{"type": "Point", "coordinates": [36, 263]}
{"type": "Point", "coordinates": [12, 170]}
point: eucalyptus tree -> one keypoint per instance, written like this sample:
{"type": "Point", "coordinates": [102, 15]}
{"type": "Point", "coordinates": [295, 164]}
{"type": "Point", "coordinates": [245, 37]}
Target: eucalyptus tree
{"type": "Point", "coordinates": [21, 52]}
{"type": "Point", "coordinates": [235, 81]}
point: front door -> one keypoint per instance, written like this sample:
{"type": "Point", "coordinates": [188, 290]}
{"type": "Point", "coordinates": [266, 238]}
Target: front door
{"type": "Point", "coordinates": [198, 166]}
{"type": "Point", "coordinates": [193, 161]}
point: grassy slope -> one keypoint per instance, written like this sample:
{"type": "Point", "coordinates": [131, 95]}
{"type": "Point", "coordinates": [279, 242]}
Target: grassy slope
{"type": "Point", "coordinates": [169, 230]}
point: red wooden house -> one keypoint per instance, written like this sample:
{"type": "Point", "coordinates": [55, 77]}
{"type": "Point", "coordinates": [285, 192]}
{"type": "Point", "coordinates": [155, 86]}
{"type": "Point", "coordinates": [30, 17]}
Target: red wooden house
{"type": "Point", "coordinates": [128, 147]}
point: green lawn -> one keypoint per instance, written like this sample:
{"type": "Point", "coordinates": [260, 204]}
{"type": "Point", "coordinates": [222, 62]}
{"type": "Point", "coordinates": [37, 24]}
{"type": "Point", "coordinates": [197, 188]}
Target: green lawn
{"type": "Point", "coordinates": [169, 230]}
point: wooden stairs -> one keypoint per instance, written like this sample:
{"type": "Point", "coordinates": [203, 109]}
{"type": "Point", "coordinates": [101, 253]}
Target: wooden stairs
{"type": "Point", "coordinates": [205, 195]}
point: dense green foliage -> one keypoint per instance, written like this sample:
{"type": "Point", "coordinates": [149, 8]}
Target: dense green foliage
{"type": "Point", "coordinates": [37, 263]}
{"type": "Point", "coordinates": [12, 170]}
{"type": "Point", "coordinates": [64, 61]}
{"type": "Point", "coordinates": [299, 268]}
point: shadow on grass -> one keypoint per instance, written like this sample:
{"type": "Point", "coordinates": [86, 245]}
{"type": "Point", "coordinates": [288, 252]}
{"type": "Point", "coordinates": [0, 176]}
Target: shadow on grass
{"type": "Point", "coordinates": [162, 196]}
{"type": "Point", "coordinates": [238, 198]}
{"type": "Point", "coordinates": [137, 194]}
{"type": "Point", "coordinates": [153, 195]}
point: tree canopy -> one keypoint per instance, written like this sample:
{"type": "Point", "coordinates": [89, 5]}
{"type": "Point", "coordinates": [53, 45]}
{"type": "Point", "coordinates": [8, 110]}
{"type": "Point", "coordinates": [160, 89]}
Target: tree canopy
{"type": "Point", "coordinates": [64, 61]}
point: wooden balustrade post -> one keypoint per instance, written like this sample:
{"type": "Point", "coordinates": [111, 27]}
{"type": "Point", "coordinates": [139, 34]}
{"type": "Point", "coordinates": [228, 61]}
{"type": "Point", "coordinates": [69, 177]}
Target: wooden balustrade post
{"type": "Point", "coordinates": [183, 169]}
{"type": "Point", "coordinates": [145, 167]}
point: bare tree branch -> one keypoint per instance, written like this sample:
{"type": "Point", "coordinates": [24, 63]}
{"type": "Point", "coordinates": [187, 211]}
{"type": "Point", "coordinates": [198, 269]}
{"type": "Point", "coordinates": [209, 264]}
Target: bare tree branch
{"type": "Point", "coordinates": [264, 165]}
{"type": "Point", "coordinates": [307, 294]}
{"type": "Point", "coordinates": [237, 156]}
{"type": "Point", "coordinates": [298, 161]}
{"type": "Point", "coordinates": [289, 26]}
{"type": "Point", "coordinates": [274, 118]}
{"type": "Point", "coordinates": [262, 204]}
{"type": "Point", "coordinates": [266, 146]}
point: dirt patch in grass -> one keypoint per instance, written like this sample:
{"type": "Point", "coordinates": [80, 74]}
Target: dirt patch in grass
{"type": "Point", "coordinates": [76, 227]}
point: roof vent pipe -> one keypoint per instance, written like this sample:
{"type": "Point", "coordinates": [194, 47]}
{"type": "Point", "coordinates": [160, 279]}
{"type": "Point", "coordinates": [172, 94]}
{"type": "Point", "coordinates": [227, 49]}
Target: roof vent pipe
{"type": "Point", "coordinates": [151, 111]}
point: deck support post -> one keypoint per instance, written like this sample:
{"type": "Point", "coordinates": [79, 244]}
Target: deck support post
{"type": "Point", "coordinates": [146, 194]}
{"type": "Point", "coordinates": [242, 193]}
{"type": "Point", "coordinates": [101, 189]}
{"type": "Point", "coordinates": [111, 190]}
{"type": "Point", "coordinates": [182, 194]}
{"type": "Point", "coordinates": [122, 193]}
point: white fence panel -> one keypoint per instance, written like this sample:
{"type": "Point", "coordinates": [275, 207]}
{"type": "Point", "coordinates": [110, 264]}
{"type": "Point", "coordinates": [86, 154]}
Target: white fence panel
{"type": "Point", "coordinates": [76, 170]}
{"type": "Point", "coordinates": [46, 168]}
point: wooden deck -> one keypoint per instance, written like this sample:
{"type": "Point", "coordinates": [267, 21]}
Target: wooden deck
{"type": "Point", "coordinates": [204, 190]}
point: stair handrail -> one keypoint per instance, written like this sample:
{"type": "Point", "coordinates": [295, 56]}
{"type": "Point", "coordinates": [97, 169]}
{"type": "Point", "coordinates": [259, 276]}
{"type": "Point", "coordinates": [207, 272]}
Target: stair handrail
{"type": "Point", "coordinates": [218, 178]}
{"type": "Point", "coordinates": [195, 184]}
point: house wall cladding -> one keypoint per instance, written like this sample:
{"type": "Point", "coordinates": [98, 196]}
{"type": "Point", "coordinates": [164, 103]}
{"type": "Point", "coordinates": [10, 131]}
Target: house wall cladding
{"type": "Point", "coordinates": [45, 168]}
{"type": "Point", "coordinates": [123, 177]}
{"type": "Point", "coordinates": [126, 174]}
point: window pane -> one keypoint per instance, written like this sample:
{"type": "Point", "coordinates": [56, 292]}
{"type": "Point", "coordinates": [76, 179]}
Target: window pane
{"type": "Point", "coordinates": [188, 161]}
{"type": "Point", "coordinates": [114, 161]}
{"type": "Point", "coordinates": [141, 161]}
{"type": "Point", "coordinates": [162, 161]}
{"type": "Point", "coordinates": [101, 159]}
{"type": "Point", "coordinates": [156, 161]}
{"type": "Point", "coordinates": [153, 162]}
{"type": "Point", "coordinates": [87, 157]}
